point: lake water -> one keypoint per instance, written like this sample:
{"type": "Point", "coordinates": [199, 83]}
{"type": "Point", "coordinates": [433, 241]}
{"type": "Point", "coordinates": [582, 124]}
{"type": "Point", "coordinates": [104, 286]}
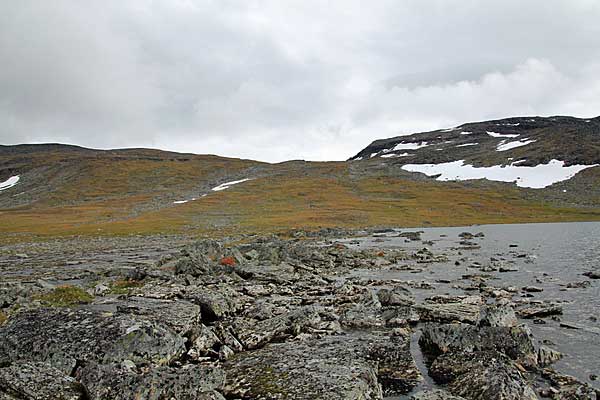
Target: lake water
{"type": "Point", "coordinates": [548, 256]}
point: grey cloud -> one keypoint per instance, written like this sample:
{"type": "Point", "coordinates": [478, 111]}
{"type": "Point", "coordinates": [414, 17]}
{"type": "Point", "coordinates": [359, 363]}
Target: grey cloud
{"type": "Point", "coordinates": [275, 80]}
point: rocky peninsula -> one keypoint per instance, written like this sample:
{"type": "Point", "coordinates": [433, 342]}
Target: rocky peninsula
{"type": "Point", "coordinates": [294, 317]}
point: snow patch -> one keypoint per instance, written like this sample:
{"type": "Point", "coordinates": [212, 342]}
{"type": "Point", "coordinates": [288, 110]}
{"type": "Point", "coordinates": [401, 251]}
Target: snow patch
{"type": "Point", "coordinates": [466, 133]}
{"type": "Point", "coordinates": [503, 145]}
{"type": "Point", "coordinates": [467, 144]}
{"type": "Point", "coordinates": [10, 182]}
{"type": "Point", "coordinates": [180, 201]}
{"type": "Point", "coordinates": [537, 177]}
{"type": "Point", "coordinates": [451, 129]}
{"type": "Point", "coordinates": [409, 146]}
{"type": "Point", "coordinates": [501, 135]}
{"type": "Point", "coordinates": [227, 185]}
{"type": "Point", "coordinates": [396, 155]}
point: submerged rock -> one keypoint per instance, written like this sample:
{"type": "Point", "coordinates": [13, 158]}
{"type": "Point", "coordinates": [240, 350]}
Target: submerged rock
{"type": "Point", "coordinates": [592, 275]}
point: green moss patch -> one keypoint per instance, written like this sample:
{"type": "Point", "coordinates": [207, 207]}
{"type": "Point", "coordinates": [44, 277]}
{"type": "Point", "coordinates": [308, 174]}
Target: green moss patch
{"type": "Point", "coordinates": [66, 296]}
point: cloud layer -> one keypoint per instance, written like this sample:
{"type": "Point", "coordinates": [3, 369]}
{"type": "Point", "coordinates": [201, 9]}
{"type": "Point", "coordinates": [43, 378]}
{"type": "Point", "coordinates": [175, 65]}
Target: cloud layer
{"type": "Point", "coordinates": [273, 80]}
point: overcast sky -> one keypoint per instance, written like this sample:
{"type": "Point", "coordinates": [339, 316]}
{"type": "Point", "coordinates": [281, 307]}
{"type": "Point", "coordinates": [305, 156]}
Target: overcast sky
{"type": "Point", "coordinates": [282, 79]}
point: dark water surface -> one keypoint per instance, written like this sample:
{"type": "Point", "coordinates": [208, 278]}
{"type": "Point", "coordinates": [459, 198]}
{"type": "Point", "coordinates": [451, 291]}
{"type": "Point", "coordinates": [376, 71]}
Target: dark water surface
{"type": "Point", "coordinates": [548, 256]}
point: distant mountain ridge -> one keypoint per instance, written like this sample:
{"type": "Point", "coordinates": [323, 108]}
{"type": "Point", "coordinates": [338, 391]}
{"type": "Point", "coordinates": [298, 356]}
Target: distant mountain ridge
{"type": "Point", "coordinates": [528, 140]}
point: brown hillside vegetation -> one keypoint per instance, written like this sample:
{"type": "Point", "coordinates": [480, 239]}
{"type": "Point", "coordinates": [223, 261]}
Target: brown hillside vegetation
{"type": "Point", "coordinates": [73, 191]}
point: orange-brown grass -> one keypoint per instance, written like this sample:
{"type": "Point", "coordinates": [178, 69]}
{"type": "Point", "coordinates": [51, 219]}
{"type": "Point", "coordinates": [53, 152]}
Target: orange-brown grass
{"type": "Point", "coordinates": [296, 195]}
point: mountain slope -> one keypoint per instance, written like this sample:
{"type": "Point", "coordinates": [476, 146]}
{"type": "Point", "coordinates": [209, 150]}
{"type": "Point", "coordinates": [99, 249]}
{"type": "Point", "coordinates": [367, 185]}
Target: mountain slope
{"type": "Point", "coordinates": [57, 190]}
{"type": "Point", "coordinates": [528, 140]}
{"type": "Point", "coordinates": [560, 154]}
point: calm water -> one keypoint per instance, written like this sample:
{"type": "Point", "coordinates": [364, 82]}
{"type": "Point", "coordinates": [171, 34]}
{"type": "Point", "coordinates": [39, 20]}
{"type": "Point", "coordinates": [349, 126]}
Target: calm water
{"type": "Point", "coordinates": [548, 256]}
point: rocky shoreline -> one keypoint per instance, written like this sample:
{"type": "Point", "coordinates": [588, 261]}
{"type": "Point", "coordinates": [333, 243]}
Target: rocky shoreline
{"type": "Point", "coordinates": [273, 318]}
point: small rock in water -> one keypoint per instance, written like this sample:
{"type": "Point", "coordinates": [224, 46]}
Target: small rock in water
{"type": "Point", "coordinates": [547, 356]}
{"type": "Point", "coordinates": [540, 310]}
{"type": "Point", "coordinates": [532, 289]}
{"type": "Point", "coordinates": [579, 285]}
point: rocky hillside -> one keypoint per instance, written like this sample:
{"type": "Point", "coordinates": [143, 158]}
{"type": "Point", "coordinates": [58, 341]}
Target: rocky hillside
{"type": "Point", "coordinates": [57, 190]}
{"type": "Point", "coordinates": [528, 141]}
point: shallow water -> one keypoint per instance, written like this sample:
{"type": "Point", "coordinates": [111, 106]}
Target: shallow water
{"type": "Point", "coordinates": [548, 256]}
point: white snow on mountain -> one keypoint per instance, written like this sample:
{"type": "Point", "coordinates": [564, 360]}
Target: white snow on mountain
{"type": "Point", "coordinates": [409, 146]}
{"type": "Point", "coordinates": [392, 155]}
{"type": "Point", "coordinates": [537, 177]}
{"type": "Point", "coordinates": [10, 182]}
{"type": "Point", "coordinates": [503, 145]}
{"type": "Point", "coordinates": [451, 129]}
{"type": "Point", "coordinates": [502, 135]}
{"type": "Point", "coordinates": [227, 185]}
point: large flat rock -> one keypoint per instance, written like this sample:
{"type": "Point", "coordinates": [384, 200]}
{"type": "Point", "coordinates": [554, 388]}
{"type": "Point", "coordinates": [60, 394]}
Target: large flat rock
{"type": "Point", "coordinates": [358, 366]}
{"type": "Point", "coordinates": [67, 338]}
